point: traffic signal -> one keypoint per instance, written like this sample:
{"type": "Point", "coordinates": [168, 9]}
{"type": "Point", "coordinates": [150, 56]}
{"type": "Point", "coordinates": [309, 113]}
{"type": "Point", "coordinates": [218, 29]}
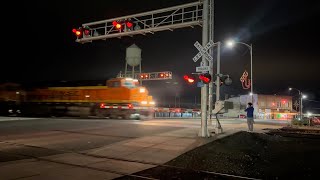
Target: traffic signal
{"type": "Point", "coordinates": [189, 79]}
{"type": "Point", "coordinates": [205, 78]}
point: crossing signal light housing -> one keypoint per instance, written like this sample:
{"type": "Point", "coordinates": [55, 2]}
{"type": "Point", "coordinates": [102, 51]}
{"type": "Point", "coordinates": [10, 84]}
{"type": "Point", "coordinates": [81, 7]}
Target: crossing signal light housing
{"type": "Point", "coordinates": [164, 75]}
{"type": "Point", "coordinates": [117, 25]}
{"type": "Point", "coordinates": [86, 31]}
{"type": "Point", "coordinates": [77, 32]}
{"type": "Point", "coordinates": [129, 24]}
{"type": "Point", "coordinates": [123, 25]}
{"type": "Point", "coordinates": [82, 32]}
{"type": "Point", "coordinates": [189, 79]}
{"type": "Point", "coordinates": [144, 76]}
{"type": "Point", "coordinates": [205, 78]}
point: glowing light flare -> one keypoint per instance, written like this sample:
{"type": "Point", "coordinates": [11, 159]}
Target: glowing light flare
{"type": "Point", "coordinates": [142, 90]}
{"type": "Point", "coordinates": [152, 103]}
{"type": "Point", "coordinates": [102, 105]}
{"type": "Point", "coordinates": [191, 80]}
{"type": "Point", "coordinates": [230, 43]}
{"type": "Point", "coordinates": [77, 32]}
{"type": "Point", "coordinates": [188, 79]}
{"type": "Point", "coordinates": [144, 102]}
{"type": "Point", "coordinates": [117, 25]}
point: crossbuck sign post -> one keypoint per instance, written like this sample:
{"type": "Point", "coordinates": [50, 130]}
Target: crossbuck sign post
{"type": "Point", "coordinates": [203, 51]}
{"type": "Point", "coordinates": [206, 57]}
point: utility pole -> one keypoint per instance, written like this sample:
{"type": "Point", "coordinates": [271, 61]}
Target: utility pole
{"type": "Point", "coordinates": [251, 74]}
{"type": "Point", "coordinates": [204, 90]}
{"type": "Point", "coordinates": [301, 115]}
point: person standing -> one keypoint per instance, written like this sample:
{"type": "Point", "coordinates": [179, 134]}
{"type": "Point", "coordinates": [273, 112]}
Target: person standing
{"type": "Point", "coordinates": [250, 120]}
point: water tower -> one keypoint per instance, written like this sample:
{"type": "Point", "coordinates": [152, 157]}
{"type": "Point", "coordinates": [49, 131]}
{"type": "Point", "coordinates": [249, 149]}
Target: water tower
{"type": "Point", "coordinates": [133, 59]}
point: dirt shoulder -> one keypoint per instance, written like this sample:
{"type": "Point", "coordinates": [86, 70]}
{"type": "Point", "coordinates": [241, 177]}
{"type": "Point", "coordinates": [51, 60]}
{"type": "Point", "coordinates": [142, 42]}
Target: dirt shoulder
{"type": "Point", "coordinates": [255, 155]}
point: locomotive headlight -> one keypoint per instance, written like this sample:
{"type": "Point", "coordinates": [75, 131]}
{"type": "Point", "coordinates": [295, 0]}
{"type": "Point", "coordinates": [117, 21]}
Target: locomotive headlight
{"type": "Point", "coordinates": [152, 103]}
{"type": "Point", "coordinates": [142, 90]}
{"type": "Point", "coordinates": [144, 102]}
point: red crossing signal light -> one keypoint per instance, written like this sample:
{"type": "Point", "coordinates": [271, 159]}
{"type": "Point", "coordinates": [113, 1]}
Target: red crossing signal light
{"type": "Point", "coordinates": [189, 79]}
{"type": "Point", "coordinates": [86, 32]}
{"type": "Point", "coordinates": [205, 78]}
{"type": "Point", "coordinates": [129, 24]}
{"type": "Point", "coordinates": [117, 25]}
{"type": "Point", "coordinates": [77, 32]}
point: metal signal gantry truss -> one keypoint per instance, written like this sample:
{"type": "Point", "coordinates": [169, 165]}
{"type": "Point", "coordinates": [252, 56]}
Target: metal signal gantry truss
{"type": "Point", "coordinates": [186, 15]}
{"type": "Point", "coordinates": [148, 76]}
{"type": "Point", "coordinates": [154, 76]}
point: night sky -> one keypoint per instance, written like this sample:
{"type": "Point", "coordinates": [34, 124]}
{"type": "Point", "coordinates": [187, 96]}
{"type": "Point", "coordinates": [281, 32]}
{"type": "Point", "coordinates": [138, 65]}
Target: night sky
{"type": "Point", "coordinates": [39, 45]}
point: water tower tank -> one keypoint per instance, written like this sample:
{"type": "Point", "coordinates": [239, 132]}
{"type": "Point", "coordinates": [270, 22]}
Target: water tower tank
{"type": "Point", "coordinates": [133, 55]}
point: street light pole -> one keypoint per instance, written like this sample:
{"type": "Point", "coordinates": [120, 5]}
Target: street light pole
{"type": "Point", "coordinates": [300, 95]}
{"type": "Point", "coordinates": [251, 74]}
{"type": "Point", "coordinates": [231, 43]}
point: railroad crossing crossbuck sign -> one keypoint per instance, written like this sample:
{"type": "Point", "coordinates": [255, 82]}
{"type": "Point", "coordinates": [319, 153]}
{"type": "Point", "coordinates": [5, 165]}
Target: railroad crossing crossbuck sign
{"type": "Point", "coordinates": [203, 51]}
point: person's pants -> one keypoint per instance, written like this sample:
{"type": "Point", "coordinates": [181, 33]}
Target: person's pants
{"type": "Point", "coordinates": [250, 123]}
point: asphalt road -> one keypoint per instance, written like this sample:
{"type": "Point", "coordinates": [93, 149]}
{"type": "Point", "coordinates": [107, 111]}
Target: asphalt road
{"type": "Point", "coordinates": [56, 148]}
{"type": "Point", "coordinates": [22, 137]}
{"type": "Point", "coordinates": [57, 136]}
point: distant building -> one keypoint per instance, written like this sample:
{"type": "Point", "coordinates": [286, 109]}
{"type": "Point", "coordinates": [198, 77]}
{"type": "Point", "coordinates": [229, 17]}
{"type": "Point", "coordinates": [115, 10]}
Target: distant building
{"type": "Point", "coordinates": [266, 106]}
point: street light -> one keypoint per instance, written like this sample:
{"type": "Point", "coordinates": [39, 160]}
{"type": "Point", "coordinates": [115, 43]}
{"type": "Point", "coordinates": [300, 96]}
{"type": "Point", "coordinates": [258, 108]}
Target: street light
{"type": "Point", "coordinates": [230, 43]}
{"type": "Point", "coordinates": [301, 96]}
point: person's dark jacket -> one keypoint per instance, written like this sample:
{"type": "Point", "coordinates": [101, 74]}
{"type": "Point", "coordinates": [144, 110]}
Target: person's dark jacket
{"type": "Point", "coordinates": [249, 111]}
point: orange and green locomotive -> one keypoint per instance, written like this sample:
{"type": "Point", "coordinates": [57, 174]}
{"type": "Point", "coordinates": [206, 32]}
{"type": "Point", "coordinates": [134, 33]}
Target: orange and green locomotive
{"type": "Point", "coordinates": [119, 98]}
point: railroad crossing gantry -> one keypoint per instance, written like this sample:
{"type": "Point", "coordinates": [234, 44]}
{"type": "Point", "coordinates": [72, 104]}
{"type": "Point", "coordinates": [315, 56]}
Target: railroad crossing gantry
{"type": "Point", "coordinates": [187, 15]}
